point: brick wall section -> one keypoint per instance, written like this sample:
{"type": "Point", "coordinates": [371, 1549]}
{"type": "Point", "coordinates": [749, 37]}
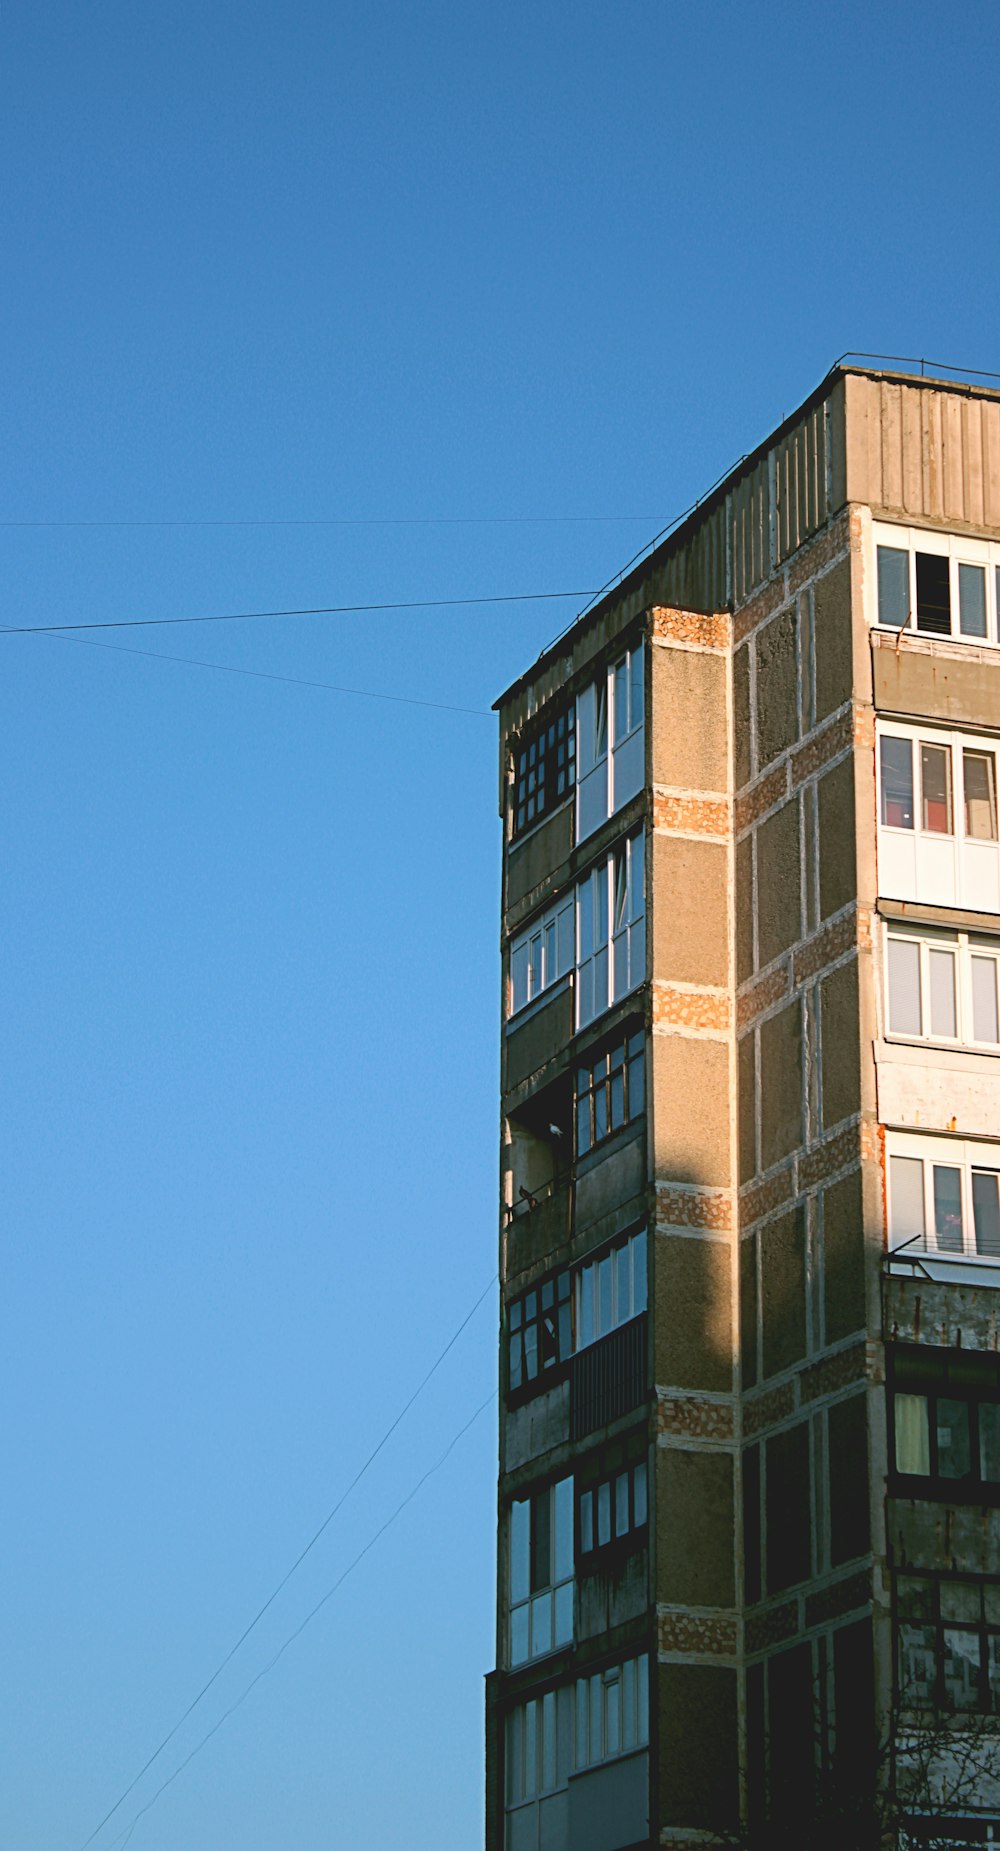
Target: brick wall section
{"type": "Point", "coordinates": [679, 812]}
{"type": "Point", "coordinates": [701, 1635]}
{"type": "Point", "coordinates": [691, 629]}
{"type": "Point", "coordinates": [693, 1208]}
{"type": "Point", "coordinates": [708, 1010]}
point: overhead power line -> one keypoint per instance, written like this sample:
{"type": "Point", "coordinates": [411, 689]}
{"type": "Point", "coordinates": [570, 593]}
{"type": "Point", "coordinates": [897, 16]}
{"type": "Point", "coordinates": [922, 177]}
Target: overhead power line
{"type": "Point", "coordinates": [388, 520]}
{"type": "Point", "coordinates": [317, 610]}
{"type": "Point", "coordinates": [287, 1576]}
{"type": "Point", "coordinates": [124, 1838]}
{"type": "Point", "coordinates": [260, 674]}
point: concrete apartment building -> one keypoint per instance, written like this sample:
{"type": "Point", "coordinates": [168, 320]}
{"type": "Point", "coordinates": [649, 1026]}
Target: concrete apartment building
{"type": "Point", "coordinates": [749, 1493]}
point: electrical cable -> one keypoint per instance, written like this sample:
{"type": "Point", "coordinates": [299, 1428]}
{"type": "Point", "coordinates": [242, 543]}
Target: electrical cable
{"type": "Point", "coordinates": [310, 1616]}
{"type": "Point", "coordinates": [318, 610]}
{"type": "Point", "coordinates": [260, 674]}
{"type": "Point", "coordinates": [300, 1558]}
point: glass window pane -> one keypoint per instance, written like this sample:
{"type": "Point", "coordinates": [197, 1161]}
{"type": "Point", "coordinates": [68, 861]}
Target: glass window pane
{"type": "Point", "coordinates": [972, 600]}
{"type": "Point", "coordinates": [935, 789]}
{"type": "Point", "coordinates": [639, 1494]}
{"type": "Point", "coordinates": [585, 1332]}
{"type": "Point", "coordinates": [993, 1670]}
{"type": "Point", "coordinates": [893, 586]}
{"type": "Point", "coordinates": [586, 1522]}
{"type": "Point", "coordinates": [636, 1085]}
{"type": "Point", "coordinates": [978, 770]}
{"type": "Point", "coordinates": [541, 1624]}
{"type": "Point", "coordinates": [628, 1703]}
{"type": "Point", "coordinates": [596, 1719]}
{"type": "Point", "coordinates": [621, 699]}
{"type": "Point", "coordinates": [960, 1601]}
{"type": "Point", "coordinates": [582, 1756]}
{"type": "Point", "coordinates": [600, 1111]}
{"type": "Point", "coordinates": [520, 1531]}
{"type": "Point", "coordinates": [985, 1025]}
{"type": "Point", "coordinates": [541, 1540]}
{"type": "Point", "coordinates": [519, 1648]}
{"type": "Point", "coordinates": [904, 986]}
{"type": "Point", "coordinates": [986, 1212]}
{"type": "Point", "coordinates": [514, 1367]}
{"type": "Point", "coordinates": [896, 760]}
{"type": "Point", "coordinates": [913, 1445]}
{"type": "Point", "coordinates": [530, 1749]}
{"type": "Point", "coordinates": [613, 1717]}
{"type": "Point", "coordinates": [563, 1554]}
{"type": "Point", "coordinates": [621, 1504]}
{"type": "Point", "coordinates": [917, 1669]}
{"type": "Point", "coordinates": [617, 1100]}
{"type": "Point", "coordinates": [643, 1698]}
{"type": "Point", "coordinates": [914, 1598]}
{"type": "Point", "coordinates": [638, 1247]}
{"type": "Point", "coordinates": [948, 1208]}
{"type": "Point", "coordinates": [954, 1451]}
{"type": "Point", "coordinates": [941, 983]}
{"type": "Point", "coordinates": [548, 1741]}
{"type": "Point", "coordinates": [564, 1614]}
{"type": "Point", "coordinates": [603, 1514]}
{"type": "Point", "coordinates": [530, 1352]}
{"type": "Point", "coordinates": [565, 1331]}
{"type": "Point", "coordinates": [515, 1766]}
{"type": "Point", "coordinates": [933, 594]}
{"type": "Point", "coordinates": [623, 1297]}
{"type": "Point", "coordinates": [635, 706]}
{"type": "Point", "coordinates": [906, 1198]}
{"type": "Point", "coordinates": [565, 925]}
{"type": "Point", "coordinates": [960, 1668]}
{"type": "Point", "coordinates": [518, 977]}
{"type": "Point", "coordinates": [604, 1313]}
{"type": "Point", "coordinates": [989, 1442]}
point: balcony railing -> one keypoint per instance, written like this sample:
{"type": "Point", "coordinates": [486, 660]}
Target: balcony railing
{"type": "Point", "coordinates": [609, 1378]}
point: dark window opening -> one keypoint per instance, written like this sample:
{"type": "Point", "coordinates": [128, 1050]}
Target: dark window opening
{"type": "Point", "coordinates": [948, 1644]}
{"type": "Point", "coordinates": [933, 594]}
{"type": "Point", "coordinates": [945, 1425]}
{"type": "Point", "coordinates": [539, 1331]}
{"type": "Point", "coordinates": [610, 1091]}
{"type": "Point", "coordinates": [544, 768]}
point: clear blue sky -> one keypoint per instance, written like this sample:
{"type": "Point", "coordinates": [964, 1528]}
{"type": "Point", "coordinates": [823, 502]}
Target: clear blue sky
{"type": "Point", "coordinates": [382, 263]}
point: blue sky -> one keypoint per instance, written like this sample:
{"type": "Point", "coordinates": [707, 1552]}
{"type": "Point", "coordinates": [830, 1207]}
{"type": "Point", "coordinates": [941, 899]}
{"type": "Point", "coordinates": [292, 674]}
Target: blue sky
{"type": "Point", "coordinates": [507, 289]}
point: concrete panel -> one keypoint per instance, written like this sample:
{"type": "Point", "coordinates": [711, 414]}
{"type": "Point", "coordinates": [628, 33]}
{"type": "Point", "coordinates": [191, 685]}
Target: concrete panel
{"type": "Point", "coordinates": [928, 1091]}
{"type": "Point", "coordinates": [949, 1316]}
{"type": "Point", "coordinates": [748, 1312]}
{"type": "Point", "coordinates": [832, 637]}
{"type": "Point", "coordinates": [922, 681]}
{"type": "Point", "coordinates": [779, 877]}
{"type": "Point", "coordinates": [744, 909]}
{"type": "Point", "coordinates": [544, 1033]}
{"type": "Point", "coordinates": [693, 1298]}
{"type": "Point", "coordinates": [783, 1291]}
{"type": "Point", "coordinates": [699, 1785]}
{"type": "Point", "coordinates": [848, 1455]}
{"type": "Point", "coordinates": [780, 1085]}
{"type": "Point", "coordinates": [695, 1546]}
{"type": "Point", "coordinates": [619, 1176]}
{"type": "Point", "coordinates": [777, 687]}
{"type": "Point", "coordinates": [841, 1041]}
{"type": "Point", "coordinates": [689, 719]}
{"type": "Point", "coordinates": [747, 1123]}
{"type": "Point", "coordinates": [609, 1806]}
{"type": "Point", "coordinates": [942, 1535]}
{"type": "Point", "coordinates": [536, 856]}
{"type": "Point", "coordinates": [743, 767]}
{"type": "Point", "coordinates": [843, 1258]}
{"type": "Point", "coordinates": [837, 855]}
{"type": "Point", "coordinates": [536, 1426]}
{"type": "Point", "coordinates": [691, 1110]}
{"type": "Point", "coordinates": [789, 1527]}
{"type": "Point", "coordinates": [691, 911]}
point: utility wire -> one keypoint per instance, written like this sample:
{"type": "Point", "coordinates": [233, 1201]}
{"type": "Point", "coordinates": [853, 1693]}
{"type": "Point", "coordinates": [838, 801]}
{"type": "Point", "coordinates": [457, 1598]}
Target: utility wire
{"type": "Point", "coordinates": [260, 674]}
{"type": "Point", "coordinates": [411, 520]}
{"type": "Point", "coordinates": [310, 1616]}
{"type": "Point", "coordinates": [286, 1577]}
{"type": "Point", "coordinates": [318, 610]}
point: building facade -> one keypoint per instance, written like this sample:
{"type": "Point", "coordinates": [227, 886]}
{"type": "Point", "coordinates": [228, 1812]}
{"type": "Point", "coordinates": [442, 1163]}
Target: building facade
{"type": "Point", "coordinates": [749, 1490]}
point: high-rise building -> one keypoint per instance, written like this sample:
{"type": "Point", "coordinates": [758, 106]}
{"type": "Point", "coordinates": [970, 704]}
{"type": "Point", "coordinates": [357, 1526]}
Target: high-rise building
{"type": "Point", "coordinates": [749, 1492]}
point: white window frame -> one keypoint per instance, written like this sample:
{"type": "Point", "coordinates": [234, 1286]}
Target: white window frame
{"type": "Point", "coordinates": [541, 1619]}
{"type": "Point", "coordinates": [543, 951]}
{"type": "Point", "coordinates": [964, 947]}
{"type": "Point", "coordinates": [610, 1289]}
{"type": "Point", "coordinates": [610, 739]}
{"type": "Point", "coordinates": [959, 550]}
{"type": "Point", "coordinates": [611, 1713]}
{"type": "Point", "coordinates": [611, 929]}
{"type": "Point", "coordinates": [552, 1736]}
{"type": "Point", "coordinates": [940, 867]}
{"type": "Point", "coordinates": [968, 1156]}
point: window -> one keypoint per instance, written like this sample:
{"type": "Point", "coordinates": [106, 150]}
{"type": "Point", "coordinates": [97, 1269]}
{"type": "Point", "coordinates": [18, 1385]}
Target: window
{"type": "Point", "coordinates": [946, 1421]}
{"type": "Point", "coordinates": [574, 1727]}
{"type": "Point", "coordinates": [611, 929]}
{"type": "Point", "coordinates": [948, 1635]}
{"type": "Point", "coordinates": [544, 767]}
{"type": "Point", "coordinates": [938, 818]}
{"type": "Point", "coordinates": [612, 1511]}
{"type": "Point", "coordinates": [612, 1712]}
{"type": "Point", "coordinates": [541, 1572]}
{"type": "Point", "coordinates": [610, 1091]}
{"type": "Point", "coordinates": [609, 728]}
{"type": "Point", "coordinates": [937, 584]}
{"type": "Point", "coordinates": [944, 1196]}
{"type": "Point", "coordinates": [539, 1331]}
{"type": "Point", "coordinates": [942, 988]}
{"type": "Point", "coordinates": [541, 954]}
{"type": "Point", "coordinates": [611, 1290]}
